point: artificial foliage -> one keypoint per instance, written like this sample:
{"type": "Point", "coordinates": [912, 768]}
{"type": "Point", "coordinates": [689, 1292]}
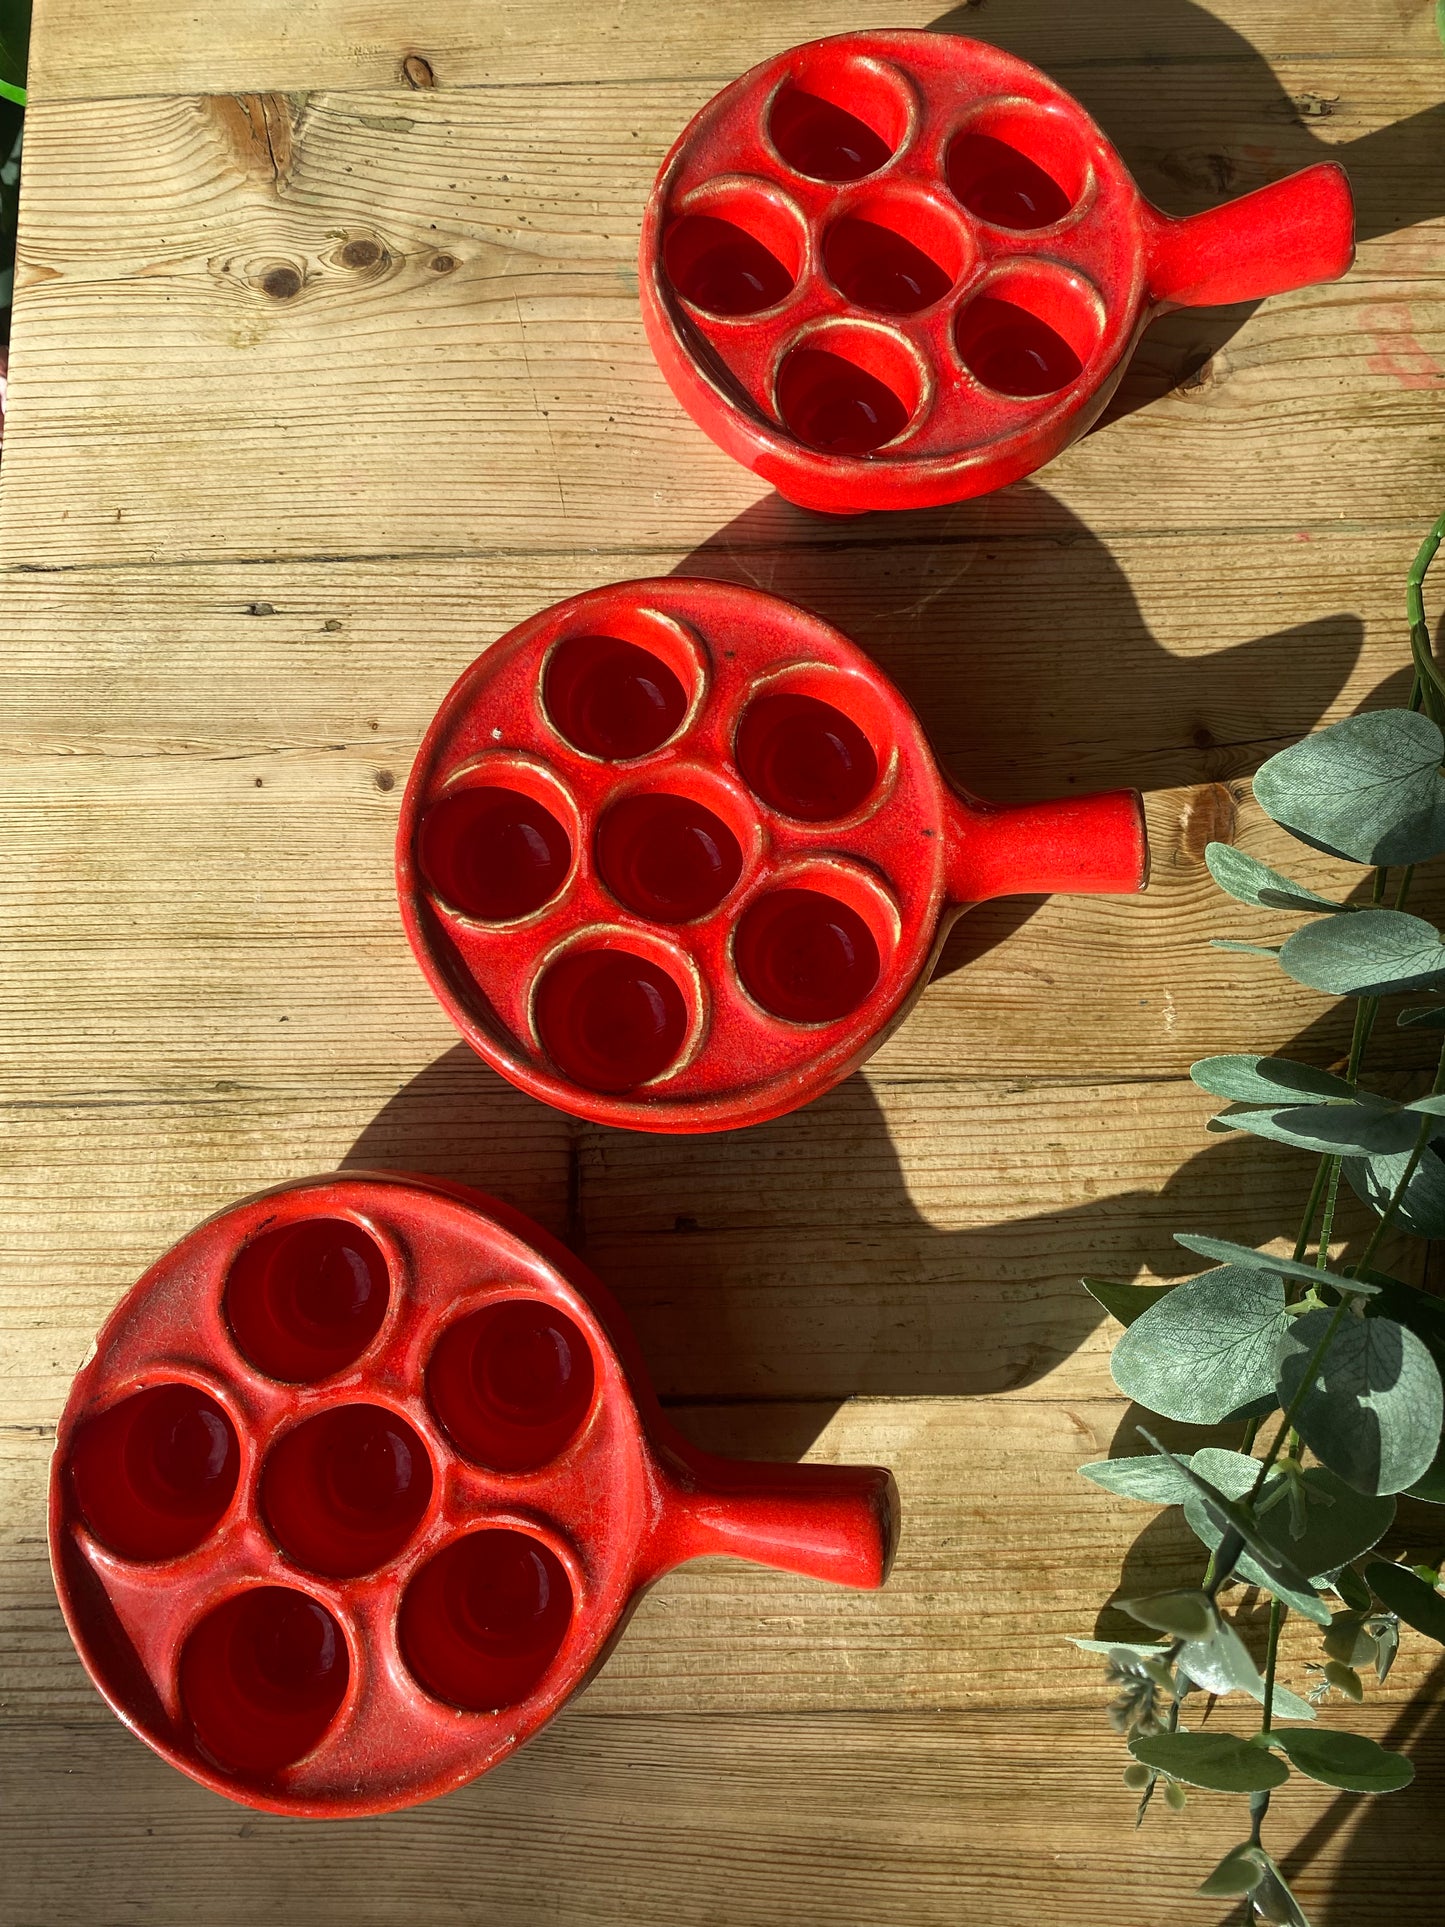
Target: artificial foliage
{"type": "Point", "coordinates": [1330, 1368]}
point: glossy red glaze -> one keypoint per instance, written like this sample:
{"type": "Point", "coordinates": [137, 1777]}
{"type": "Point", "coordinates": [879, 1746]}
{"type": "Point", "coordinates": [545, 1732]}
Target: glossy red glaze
{"type": "Point", "coordinates": [753, 903]}
{"type": "Point", "coordinates": [350, 1595]}
{"type": "Point", "coordinates": [892, 270]}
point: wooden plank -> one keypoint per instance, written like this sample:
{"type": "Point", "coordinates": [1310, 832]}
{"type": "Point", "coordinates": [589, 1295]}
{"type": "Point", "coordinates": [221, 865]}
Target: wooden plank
{"type": "Point", "coordinates": [202, 801]}
{"type": "Point", "coordinates": [1004, 1556]}
{"type": "Point", "coordinates": [1016, 1818]}
{"type": "Point", "coordinates": [167, 406]}
{"type": "Point", "coordinates": [170, 47]}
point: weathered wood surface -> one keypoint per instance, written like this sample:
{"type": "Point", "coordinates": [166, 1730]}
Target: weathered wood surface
{"type": "Point", "coordinates": [248, 539]}
{"type": "Point", "coordinates": [706, 1822]}
{"type": "Point", "coordinates": [411, 325]}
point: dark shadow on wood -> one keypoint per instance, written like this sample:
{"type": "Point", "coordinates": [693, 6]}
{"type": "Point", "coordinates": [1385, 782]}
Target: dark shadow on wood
{"type": "Point", "coordinates": [997, 621]}
{"type": "Point", "coordinates": [1204, 123]}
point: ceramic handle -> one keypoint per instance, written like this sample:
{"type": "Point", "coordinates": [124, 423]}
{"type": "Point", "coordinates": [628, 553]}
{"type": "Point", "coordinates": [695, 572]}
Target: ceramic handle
{"type": "Point", "coordinates": [1298, 231]}
{"type": "Point", "coordinates": [1079, 845]}
{"type": "Point", "coordinates": [835, 1522]}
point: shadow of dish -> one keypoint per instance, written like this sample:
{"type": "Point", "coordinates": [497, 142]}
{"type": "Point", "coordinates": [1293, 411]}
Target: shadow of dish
{"type": "Point", "coordinates": [993, 619]}
{"type": "Point", "coordinates": [1200, 117]}
{"type": "Point", "coordinates": [790, 1266]}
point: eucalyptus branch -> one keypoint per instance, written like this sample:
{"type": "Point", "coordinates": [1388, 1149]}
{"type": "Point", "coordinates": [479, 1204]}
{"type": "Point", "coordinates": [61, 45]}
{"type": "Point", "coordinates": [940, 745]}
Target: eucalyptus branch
{"type": "Point", "coordinates": [1357, 1383]}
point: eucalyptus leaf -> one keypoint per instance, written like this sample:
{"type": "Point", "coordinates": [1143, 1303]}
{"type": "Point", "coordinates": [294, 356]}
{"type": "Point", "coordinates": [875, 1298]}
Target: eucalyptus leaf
{"type": "Point", "coordinates": [1373, 1410]}
{"type": "Point", "coordinates": [1368, 788]}
{"type": "Point", "coordinates": [1207, 1348]}
{"type": "Point", "coordinates": [1277, 1569]}
{"type": "Point", "coordinates": [1266, 1261]}
{"type": "Point", "coordinates": [1422, 1016]}
{"type": "Point", "coordinates": [1239, 1872]}
{"type": "Point", "coordinates": [14, 48]}
{"type": "Point", "coordinates": [1369, 953]}
{"type": "Point", "coordinates": [1225, 1665]}
{"type": "Point", "coordinates": [1424, 1314]}
{"type": "Point", "coordinates": [1219, 1761]}
{"type": "Point", "coordinates": [1275, 1903]}
{"type": "Point", "coordinates": [1130, 1648]}
{"type": "Point", "coordinates": [1347, 1760]}
{"type": "Point", "coordinates": [1145, 1477]}
{"type": "Point", "coordinates": [1247, 949]}
{"type": "Point", "coordinates": [1340, 1523]}
{"type": "Point", "coordinates": [1186, 1613]}
{"type": "Point", "coordinates": [1266, 1080]}
{"type": "Point", "coordinates": [1250, 881]}
{"type": "Point", "coordinates": [1421, 1210]}
{"type": "Point", "coordinates": [1432, 1105]}
{"type": "Point", "coordinates": [1353, 1590]}
{"type": "Point", "coordinates": [1408, 1596]}
{"type": "Point", "coordinates": [1124, 1302]}
{"type": "Point", "coordinates": [1331, 1129]}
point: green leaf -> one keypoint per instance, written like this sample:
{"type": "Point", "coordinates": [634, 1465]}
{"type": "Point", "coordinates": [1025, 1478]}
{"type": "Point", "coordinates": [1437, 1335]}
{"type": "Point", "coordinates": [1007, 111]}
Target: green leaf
{"type": "Point", "coordinates": [1347, 1760]}
{"type": "Point", "coordinates": [1250, 881]}
{"type": "Point", "coordinates": [1242, 1868]}
{"type": "Point", "coordinates": [1207, 1348]}
{"type": "Point", "coordinates": [1274, 1902]}
{"type": "Point", "coordinates": [1425, 1016]}
{"type": "Point", "coordinates": [1266, 1261]}
{"type": "Point", "coordinates": [1219, 1761]}
{"type": "Point", "coordinates": [1347, 1640]}
{"type": "Point", "coordinates": [1145, 1477]}
{"type": "Point", "coordinates": [1421, 1211]}
{"type": "Point", "coordinates": [1184, 1614]}
{"type": "Point", "coordinates": [1368, 788]}
{"type": "Point", "coordinates": [1335, 1130]}
{"type": "Point", "coordinates": [1424, 1314]}
{"type": "Point", "coordinates": [1353, 1590]}
{"type": "Point", "coordinates": [1339, 1522]}
{"type": "Point", "coordinates": [1124, 1302]}
{"type": "Point", "coordinates": [1371, 953]}
{"type": "Point", "coordinates": [1224, 1664]}
{"type": "Point", "coordinates": [1267, 1080]}
{"type": "Point", "coordinates": [1246, 949]}
{"type": "Point", "coordinates": [1408, 1596]}
{"type": "Point", "coordinates": [1278, 1570]}
{"type": "Point", "coordinates": [1373, 1412]}
{"type": "Point", "coordinates": [14, 50]}
{"type": "Point", "coordinates": [1129, 1647]}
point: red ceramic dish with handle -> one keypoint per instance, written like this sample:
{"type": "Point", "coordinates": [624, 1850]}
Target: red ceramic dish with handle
{"type": "Point", "coordinates": [361, 1483]}
{"type": "Point", "coordinates": [676, 855]}
{"type": "Point", "coordinates": [892, 270]}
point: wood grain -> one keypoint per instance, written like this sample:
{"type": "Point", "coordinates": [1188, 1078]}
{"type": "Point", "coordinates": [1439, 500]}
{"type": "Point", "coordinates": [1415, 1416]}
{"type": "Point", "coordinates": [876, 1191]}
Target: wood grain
{"type": "Point", "coordinates": [199, 370]}
{"type": "Point", "coordinates": [168, 47]}
{"type": "Point", "coordinates": [322, 379]}
{"type": "Point", "coordinates": [708, 1822]}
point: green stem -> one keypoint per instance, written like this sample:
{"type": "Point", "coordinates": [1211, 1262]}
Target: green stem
{"type": "Point", "coordinates": [1276, 1620]}
{"type": "Point", "coordinates": [1427, 671]}
{"type": "Point", "coordinates": [1327, 1223]}
{"type": "Point", "coordinates": [1301, 1243]}
{"type": "Point", "coordinates": [1291, 1411]}
{"type": "Point", "coordinates": [1422, 1137]}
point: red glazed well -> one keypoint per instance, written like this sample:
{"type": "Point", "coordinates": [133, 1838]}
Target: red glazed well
{"type": "Point", "coordinates": [892, 270]}
{"type": "Point", "coordinates": [675, 855]}
{"type": "Point", "coordinates": [362, 1482]}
